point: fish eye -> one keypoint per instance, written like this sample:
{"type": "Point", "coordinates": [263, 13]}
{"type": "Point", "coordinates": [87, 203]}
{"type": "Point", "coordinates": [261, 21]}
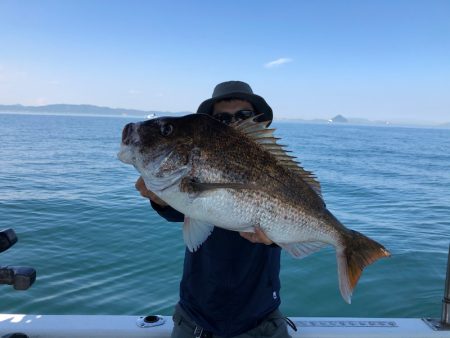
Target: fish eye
{"type": "Point", "coordinates": [166, 129]}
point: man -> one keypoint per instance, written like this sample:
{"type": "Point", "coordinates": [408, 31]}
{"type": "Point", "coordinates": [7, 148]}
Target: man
{"type": "Point", "coordinates": [230, 285]}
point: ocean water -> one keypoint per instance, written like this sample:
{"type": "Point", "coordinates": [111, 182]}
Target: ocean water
{"type": "Point", "coordinates": [99, 248]}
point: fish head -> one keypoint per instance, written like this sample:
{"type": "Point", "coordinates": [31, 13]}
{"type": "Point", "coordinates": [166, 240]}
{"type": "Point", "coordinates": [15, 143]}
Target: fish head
{"type": "Point", "coordinates": [160, 149]}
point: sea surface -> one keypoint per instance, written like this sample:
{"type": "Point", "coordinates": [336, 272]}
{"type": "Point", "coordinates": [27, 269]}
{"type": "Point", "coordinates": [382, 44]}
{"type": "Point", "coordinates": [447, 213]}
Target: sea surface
{"type": "Point", "coordinates": [99, 248]}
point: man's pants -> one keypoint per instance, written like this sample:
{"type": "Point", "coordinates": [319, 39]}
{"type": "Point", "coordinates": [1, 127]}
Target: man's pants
{"type": "Point", "coordinates": [273, 326]}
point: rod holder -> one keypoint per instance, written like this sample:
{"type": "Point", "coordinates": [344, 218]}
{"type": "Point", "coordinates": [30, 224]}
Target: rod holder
{"type": "Point", "coordinates": [445, 318]}
{"type": "Point", "coordinates": [444, 323]}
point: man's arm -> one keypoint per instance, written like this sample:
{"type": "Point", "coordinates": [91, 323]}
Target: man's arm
{"type": "Point", "coordinates": [161, 207]}
{"type": "Point", "coordinates": [257, 237]}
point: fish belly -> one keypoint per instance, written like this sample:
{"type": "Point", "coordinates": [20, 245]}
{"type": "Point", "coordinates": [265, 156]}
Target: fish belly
{"type": "Point", "coordinates": [219, 207]}
{"type": "Point", "coordinates": [243, 210]}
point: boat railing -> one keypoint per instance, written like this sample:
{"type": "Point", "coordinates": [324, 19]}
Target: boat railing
{"type": "Point", "coordinates": [59, 325]}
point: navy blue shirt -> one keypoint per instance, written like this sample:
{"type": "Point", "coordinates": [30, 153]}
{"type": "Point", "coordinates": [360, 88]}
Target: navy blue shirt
{"type": "Point", "coordinates": [229, 284]}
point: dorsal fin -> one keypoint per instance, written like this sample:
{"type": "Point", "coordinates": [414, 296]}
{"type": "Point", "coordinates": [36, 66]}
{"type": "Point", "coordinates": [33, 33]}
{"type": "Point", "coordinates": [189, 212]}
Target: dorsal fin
{"type": "Point", "coordinates": [259, 132]}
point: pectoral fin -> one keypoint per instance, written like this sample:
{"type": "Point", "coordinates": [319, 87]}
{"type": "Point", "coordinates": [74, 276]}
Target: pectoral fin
{"type": "Point", "coordinates": [192, 185]}
{"type": "Point", "coordinates": [195, 232]}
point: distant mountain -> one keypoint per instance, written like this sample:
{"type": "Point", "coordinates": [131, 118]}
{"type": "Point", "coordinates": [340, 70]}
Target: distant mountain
{"type": "Point", "coordinates": [86, 109]}
{"type": "Point", "coordinates": [83, 109]}
{"type": "Point", "coordinates": [339, 119]}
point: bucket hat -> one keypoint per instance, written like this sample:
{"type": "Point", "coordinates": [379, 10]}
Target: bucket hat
{"type": "Point", "coordinates": [237, 90]}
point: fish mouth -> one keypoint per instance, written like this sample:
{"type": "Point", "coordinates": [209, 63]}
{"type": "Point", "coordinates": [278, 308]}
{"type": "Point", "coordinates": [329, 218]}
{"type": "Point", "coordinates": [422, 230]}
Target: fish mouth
{"type": "Point", "coordinates": [126, 154]}
{"type": "Point", "coordinates": [130, 142]}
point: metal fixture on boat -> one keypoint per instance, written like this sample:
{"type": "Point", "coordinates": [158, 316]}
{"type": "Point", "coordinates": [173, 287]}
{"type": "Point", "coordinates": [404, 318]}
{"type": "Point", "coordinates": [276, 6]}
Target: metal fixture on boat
{"type": "Point", "coordinates": [150, 321]}
{"type": "Point", "coordinates": [445, 318]}
{"type": "Point", "coordinates": [444, 323]}
{"type": "Point", "coordinates": [21, 277]}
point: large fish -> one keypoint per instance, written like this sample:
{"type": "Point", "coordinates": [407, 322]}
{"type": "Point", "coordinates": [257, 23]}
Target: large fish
{"type": "Point", "coordinates": [238, 177]}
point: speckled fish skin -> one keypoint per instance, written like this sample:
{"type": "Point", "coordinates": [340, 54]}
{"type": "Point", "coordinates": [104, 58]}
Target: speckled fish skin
{"type": "Point", "coordinates": [219, 175]}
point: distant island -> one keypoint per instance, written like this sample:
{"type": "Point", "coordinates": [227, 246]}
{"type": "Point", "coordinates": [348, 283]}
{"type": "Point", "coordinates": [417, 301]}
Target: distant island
{"type": "Point", "coordinates": [83, 109]}
{"type": "Point", "coordinates": [86, 109]}
{"type": "Point", "coordinates": [340, 119]}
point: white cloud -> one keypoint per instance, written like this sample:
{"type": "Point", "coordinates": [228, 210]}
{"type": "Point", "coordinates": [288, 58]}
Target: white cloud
{"type": "Point", "coordinates": [277, 62]}
{"type": "Point", "coordinates": [133, 91]}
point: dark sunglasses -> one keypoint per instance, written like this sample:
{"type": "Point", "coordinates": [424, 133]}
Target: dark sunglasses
{"type": "Point", "coordinates": [227, 118]}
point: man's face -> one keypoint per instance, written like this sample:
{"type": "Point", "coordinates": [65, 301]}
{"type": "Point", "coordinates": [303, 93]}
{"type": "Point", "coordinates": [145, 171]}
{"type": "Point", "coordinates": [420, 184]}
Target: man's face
{"type": "Point", "coordinates": [232, 111]}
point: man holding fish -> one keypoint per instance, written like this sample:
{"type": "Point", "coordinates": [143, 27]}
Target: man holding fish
{"type": "Point", "coordinates": [230, 286]}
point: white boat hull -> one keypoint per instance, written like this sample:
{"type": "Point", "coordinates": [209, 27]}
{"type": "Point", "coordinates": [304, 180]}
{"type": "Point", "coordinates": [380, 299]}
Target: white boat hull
{"type": "Point", "coordinates": [128, 326]}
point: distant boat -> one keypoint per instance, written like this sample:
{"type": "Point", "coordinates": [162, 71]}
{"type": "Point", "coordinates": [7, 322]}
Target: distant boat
{"type": "Point", "coordinates": [151, 116]}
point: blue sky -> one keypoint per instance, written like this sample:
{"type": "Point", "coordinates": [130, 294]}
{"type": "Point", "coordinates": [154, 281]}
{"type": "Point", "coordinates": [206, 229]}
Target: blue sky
{"type": "Point", "coordinates": [310, 59]}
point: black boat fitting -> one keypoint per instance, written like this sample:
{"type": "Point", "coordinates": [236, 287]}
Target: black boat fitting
{"type": "Point", "coordinates": [20, 277]}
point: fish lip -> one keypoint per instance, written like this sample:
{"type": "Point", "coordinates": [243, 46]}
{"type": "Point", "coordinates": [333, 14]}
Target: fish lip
{"type": "Point", "coordinates": [126, 154]}
{"type": "Point", "coordinates": [130, 143]}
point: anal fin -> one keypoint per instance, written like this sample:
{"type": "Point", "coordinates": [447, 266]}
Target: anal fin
{"type": "Point", "coordinates": [302, 249]}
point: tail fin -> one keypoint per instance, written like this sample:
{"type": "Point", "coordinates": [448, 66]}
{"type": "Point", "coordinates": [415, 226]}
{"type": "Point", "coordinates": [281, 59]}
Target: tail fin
{"type": "Point", "coordinates": [357, 251]}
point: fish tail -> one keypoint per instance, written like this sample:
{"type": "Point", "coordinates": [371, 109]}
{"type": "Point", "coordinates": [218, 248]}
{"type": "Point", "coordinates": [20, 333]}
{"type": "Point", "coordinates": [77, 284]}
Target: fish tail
{"type": "Point", "coordinates": [356, 252]}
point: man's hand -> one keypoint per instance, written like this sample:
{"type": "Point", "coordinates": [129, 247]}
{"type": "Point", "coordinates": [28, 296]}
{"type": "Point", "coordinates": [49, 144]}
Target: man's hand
{"type": "Point", "coordinates": [140, 186]}
{"type": "Point", "coordinates": [257, 237]}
